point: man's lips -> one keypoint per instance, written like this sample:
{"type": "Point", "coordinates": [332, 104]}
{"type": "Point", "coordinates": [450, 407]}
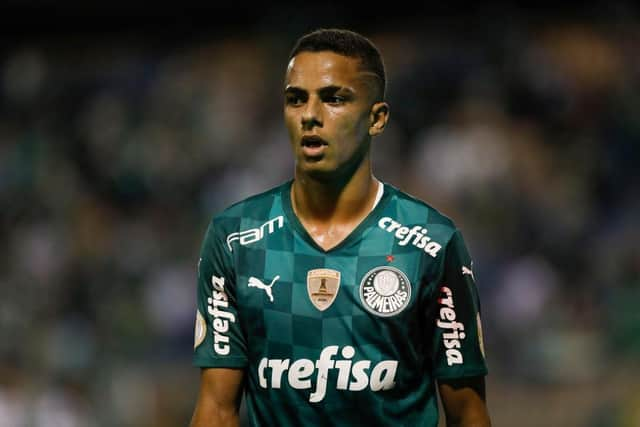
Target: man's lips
{"type": "Point", "coordinates": [313, 146]}
{"type": "Point", "coordinates": [312, 141]}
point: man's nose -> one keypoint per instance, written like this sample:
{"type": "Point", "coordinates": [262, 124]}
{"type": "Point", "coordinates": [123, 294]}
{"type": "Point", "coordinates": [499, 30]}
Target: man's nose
{"type": "Point", "coordinates": [312, 114]}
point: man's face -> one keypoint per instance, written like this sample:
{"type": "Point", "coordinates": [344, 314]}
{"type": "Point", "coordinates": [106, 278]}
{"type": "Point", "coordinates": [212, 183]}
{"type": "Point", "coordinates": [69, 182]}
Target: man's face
{"type": "Point", "coordinates": [327, 111]}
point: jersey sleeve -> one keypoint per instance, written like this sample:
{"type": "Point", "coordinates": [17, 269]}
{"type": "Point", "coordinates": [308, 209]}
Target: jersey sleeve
{"type": "Point", "coordinates": [457, 342]}
{"type": "Point", "coordinates": [218, 338]}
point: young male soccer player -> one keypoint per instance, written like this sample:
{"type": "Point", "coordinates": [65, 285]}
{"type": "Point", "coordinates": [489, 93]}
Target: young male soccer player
{"type": "Point", "coordinates": [336, 299]}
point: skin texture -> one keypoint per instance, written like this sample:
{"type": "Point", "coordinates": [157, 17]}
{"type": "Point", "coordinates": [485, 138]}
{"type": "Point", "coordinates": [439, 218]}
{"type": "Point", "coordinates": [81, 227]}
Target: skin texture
{"type": "Point", "coordinates": [218, 398]}
{"type": "Point", "coordinates": [464, 402]}
{"type": "Point", "coordinates": [328, 96]}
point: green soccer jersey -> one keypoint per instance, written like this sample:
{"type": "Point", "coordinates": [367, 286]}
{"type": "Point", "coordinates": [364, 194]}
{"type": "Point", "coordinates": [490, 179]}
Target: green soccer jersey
{"type": "Point", "coordinates": [356, 335]}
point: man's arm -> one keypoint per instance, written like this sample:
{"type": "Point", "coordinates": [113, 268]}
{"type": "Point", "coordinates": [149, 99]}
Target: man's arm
{"type": "Point", "coordinates": [219, 398]}
{"type": "Point", "coordinates": [464, 402]}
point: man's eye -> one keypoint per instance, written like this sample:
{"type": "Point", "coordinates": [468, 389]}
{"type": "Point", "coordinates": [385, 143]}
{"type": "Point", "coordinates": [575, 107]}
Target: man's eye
{"type": "Point", "coordinates": [293, 100]}
{"type": "Point", "coordinates": [335, 99]}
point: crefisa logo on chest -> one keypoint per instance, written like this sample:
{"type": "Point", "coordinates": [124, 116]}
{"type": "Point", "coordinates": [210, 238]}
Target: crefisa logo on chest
{"type": "Point", "coordinates": [385, 291]}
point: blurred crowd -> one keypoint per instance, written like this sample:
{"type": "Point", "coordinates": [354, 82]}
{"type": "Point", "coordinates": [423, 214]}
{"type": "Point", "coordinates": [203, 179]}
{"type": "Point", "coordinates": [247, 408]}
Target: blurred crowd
{"type": "Point", "coordinates": [115, 153]}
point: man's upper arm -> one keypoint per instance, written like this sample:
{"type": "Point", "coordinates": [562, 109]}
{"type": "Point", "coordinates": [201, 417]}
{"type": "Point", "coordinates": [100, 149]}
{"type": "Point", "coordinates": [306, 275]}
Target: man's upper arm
{"type": "Point", "coordinates": [219, 346]}
{"type": "Point", "coordinates": [218, 398]}
{"type": "Point", "coordinates": [464, 402]}
{"type": "Point", "coordinates": [458, 358]}
{"type": "Point", "coordinates": [457, 342]}
{"type": "Point", "coordinates": [219, 339]}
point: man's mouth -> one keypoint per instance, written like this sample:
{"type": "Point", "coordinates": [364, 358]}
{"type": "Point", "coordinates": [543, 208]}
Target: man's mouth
{"type": "Point", "coordinates": [313, 147]}
{"type": "Point", "coordinates": [312, 141]}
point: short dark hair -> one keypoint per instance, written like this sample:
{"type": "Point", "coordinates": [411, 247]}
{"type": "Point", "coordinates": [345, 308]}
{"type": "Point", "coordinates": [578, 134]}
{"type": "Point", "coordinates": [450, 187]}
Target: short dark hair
{"type": "Point", "coordinates": [347, 43]}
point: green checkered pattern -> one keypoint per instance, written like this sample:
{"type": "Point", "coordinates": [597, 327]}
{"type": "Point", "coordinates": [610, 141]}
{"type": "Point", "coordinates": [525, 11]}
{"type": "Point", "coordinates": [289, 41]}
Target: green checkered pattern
{"type": "Point", "coordinates": [267, 334]}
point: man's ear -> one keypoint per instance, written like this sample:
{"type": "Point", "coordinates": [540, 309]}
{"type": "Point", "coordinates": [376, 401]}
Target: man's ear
{"type": "Point", "coordinates": [378, 118]}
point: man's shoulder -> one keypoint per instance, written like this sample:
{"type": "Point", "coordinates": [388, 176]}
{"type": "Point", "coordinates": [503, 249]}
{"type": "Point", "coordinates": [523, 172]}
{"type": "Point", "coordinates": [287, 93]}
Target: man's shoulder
{"type": "Point", "coordinates": [416, 210]}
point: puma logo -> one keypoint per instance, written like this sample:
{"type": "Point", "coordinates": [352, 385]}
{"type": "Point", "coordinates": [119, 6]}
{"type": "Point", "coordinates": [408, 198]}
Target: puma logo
{"type": "Point", "coordinates": [466, 270]}
{"type": "Point", "coordinates": [257, 283]}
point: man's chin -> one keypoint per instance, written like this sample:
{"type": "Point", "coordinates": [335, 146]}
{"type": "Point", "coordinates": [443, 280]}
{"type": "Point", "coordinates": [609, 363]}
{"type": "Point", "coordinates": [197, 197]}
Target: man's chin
{"type": "Point", "coordinates": [316, 168]}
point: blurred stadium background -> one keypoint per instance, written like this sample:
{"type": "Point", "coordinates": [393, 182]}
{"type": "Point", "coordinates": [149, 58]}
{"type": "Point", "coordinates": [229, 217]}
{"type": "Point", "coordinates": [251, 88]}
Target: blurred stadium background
{"type": "Point", "coordinates": [123, 129]}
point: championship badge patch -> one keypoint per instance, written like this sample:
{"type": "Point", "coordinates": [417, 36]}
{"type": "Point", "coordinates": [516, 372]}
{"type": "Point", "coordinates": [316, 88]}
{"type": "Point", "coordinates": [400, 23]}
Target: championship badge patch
{"type": "Point", "coordinates": [200, 330]}
{"type": "Point", "coordinates": [480, 337]}
{"type": "Point", "coordinates": [385, 291]}
{"type": "Point", "coordinates": [322, 286]}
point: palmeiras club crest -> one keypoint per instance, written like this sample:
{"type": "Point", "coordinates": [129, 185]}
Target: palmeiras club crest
{"type": "Point", "coordinates": [385, 291]}
{"type": "Point", "coordinates": [323, 285]}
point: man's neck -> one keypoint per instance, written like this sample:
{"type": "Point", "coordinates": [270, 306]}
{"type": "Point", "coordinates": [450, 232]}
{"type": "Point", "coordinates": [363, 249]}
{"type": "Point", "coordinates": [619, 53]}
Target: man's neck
{"type": "Point", "coordinates": [322, 200]}
{"type": "Point", "coordinates": [331, 210]}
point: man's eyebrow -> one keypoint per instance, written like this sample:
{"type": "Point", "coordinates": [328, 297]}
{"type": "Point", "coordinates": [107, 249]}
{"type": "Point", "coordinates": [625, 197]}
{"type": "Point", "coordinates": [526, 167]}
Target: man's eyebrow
{"type": "Point", "coordinates": [326, 90]}
{"type": "Point", "coordinates": [294, 90]}
{"type": "Point", "coordinates": [330, 90]}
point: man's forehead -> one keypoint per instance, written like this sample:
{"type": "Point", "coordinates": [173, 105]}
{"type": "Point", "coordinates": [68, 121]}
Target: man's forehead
{"type": "Point", "coordinates": [324, 65]}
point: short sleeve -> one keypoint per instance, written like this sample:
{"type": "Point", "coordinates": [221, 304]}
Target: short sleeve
{"type": "Point", "coordinates": [218, 338]}
{"type": "Point", "coordinates": [457, 342]}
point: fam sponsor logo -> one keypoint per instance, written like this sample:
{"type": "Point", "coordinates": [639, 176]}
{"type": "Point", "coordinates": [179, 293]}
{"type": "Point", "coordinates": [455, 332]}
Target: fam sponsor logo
{"type": "Point", "coordinates": [416, 235]}
{"type": "Point", "coordinates": [454, 330]}
{"type": "Point", "coordinates": [253, 235]}
{"type": "Point", "coordinates": [218, 306]}
{"type": "Point", "coordinates": [385, 291]}
{"type": "Point", "coordinates": [352, 376]}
